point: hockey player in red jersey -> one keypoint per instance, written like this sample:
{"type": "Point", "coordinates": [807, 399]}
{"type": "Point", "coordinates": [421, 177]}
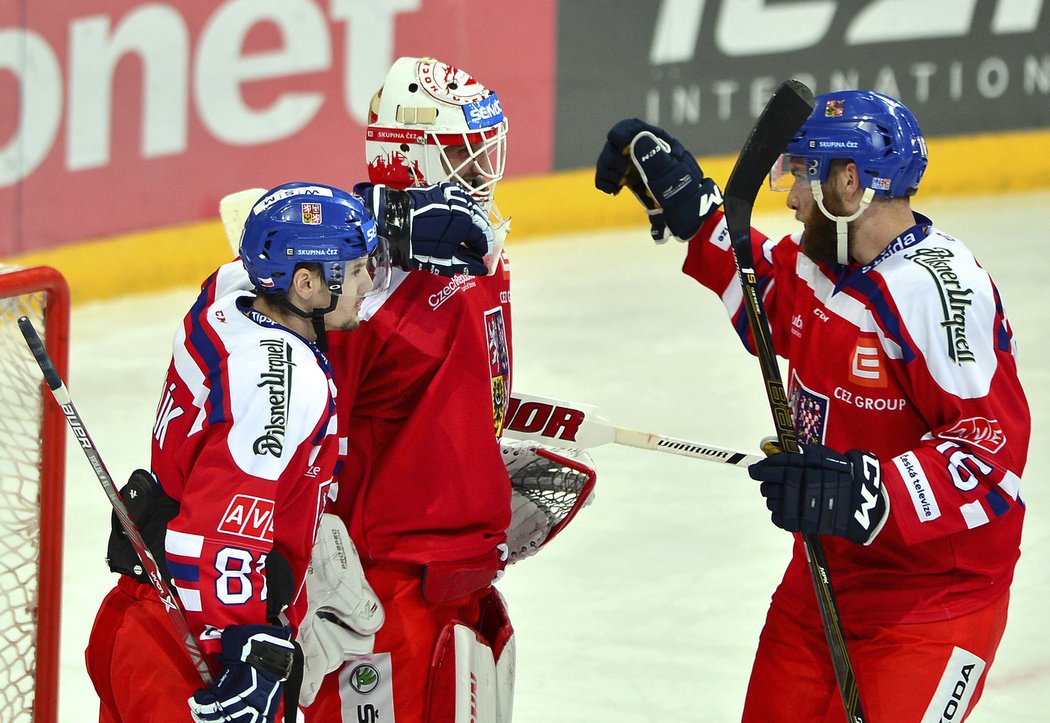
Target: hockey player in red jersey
{"type": "Point", "coordinates": [245, 458]}
{"type": "Point", "coordinates": [425, 491]}
{"type": "Point", "coordinates": [903, 383]}
{"type": "Point", "coordinates": [244, 448]}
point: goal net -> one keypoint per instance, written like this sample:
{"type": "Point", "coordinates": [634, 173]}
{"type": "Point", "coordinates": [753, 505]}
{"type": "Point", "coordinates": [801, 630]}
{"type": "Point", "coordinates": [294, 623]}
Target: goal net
{"type": "Point", "coordinates": [32, 471]}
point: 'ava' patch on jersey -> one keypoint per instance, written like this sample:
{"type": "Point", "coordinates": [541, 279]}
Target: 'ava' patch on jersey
{"type": "Point", "coordinates": [248, 516]}
{"type": "Point", "coordinates": [499, 365]}
{"type": "Point", "coordinates": [987, 434]}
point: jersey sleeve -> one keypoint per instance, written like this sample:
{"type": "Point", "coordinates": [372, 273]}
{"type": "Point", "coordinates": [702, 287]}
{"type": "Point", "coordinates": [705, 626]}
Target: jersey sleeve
{"type": "Point", "coordinates": [710, 261]}
{"type": "Point", "coordinates": [253, 485]}
{"type": "Point", "coordinates": [962, 376]}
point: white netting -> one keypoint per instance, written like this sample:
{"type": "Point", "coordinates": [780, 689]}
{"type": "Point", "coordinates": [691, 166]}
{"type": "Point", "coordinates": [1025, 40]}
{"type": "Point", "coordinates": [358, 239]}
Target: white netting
{"type": "Point", "coordinates": [21, 409]}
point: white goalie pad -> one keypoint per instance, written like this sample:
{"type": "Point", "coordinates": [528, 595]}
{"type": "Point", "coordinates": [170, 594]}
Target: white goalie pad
{"type": "Point", "coordinates": [471, 679]}
{"type": "Point", "coordinates": [548, 488]}
{"type": "Point", "coordinates": [343, 613]}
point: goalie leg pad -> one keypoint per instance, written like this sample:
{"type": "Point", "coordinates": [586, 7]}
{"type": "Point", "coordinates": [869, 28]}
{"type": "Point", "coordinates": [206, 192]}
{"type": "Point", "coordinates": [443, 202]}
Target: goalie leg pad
{"type": "Point", "coordinates": [472, 671]}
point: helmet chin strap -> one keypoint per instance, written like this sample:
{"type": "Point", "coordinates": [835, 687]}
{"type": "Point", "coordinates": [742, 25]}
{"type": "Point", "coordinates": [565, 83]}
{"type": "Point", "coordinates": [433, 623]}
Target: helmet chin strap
{"type": "Point", "coordinates": [841, 222]}
{"type": "Point", "coordinates": [316, 317]}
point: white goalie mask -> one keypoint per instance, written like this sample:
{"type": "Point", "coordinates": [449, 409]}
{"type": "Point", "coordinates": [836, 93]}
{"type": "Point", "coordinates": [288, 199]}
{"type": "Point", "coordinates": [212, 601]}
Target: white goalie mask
{"type": "Point", "coordinates": [432, 122]}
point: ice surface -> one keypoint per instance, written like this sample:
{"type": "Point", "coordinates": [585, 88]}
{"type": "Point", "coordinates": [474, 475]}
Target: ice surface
{"type": "Point", "coordinates": [648, 607]}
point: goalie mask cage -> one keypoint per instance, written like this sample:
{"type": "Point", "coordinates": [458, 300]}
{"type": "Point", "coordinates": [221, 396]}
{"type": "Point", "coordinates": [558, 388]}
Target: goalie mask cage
{"type": "Point", "coordinates": [32, 476]}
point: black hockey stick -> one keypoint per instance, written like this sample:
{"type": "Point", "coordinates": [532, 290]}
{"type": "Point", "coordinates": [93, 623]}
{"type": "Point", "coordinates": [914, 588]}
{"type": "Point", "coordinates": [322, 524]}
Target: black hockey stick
{"type": "Point", "coordinates": [61, 395]}
{"type": "Point", "coordinates": [783, 115]}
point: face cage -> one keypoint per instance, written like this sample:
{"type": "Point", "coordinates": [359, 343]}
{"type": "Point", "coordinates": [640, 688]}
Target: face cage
{"type": "Point", "coordinates": [479, 172]}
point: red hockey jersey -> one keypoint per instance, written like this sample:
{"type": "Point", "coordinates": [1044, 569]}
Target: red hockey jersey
{"type": "Point", "coordinates": [910, 357]}
{"type": "Point", "coordinates": [424, 387]}
{"type": "Point", "coordinates": [245, 441]}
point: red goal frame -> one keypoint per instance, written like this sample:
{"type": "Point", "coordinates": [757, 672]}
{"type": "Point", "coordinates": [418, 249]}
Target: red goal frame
{"type": "Point", "coordinates": [50, 282]}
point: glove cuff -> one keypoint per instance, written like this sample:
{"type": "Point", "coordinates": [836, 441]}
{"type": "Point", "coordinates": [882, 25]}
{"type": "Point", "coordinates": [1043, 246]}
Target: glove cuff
{"type": "Point", "coordinates": [267, 648]}
{"type": "Point", "coordinates": [392, 209]}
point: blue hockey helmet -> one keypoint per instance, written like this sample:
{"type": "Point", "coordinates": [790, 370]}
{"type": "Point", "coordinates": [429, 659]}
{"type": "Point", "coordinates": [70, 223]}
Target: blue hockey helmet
{"type": "Point", "coordinates": [879, 134]}
{"type": "Point", "coordinates": [299, 223]}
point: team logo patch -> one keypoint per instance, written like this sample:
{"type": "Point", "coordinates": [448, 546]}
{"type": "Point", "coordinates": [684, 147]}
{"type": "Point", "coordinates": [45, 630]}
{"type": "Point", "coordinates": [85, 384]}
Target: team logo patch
{"type": "Point", "coordinates": [834, 108]}
{"type": "Point", "coordinates": [499, 366]}
{"type": "Point", "coordinates": [984, 433]}
{"type": "Point", "coordinates": [312, 213]}
{"type": "Point", "coordinates": [248, 516]}
{"type": "Point", "coordinates": [811, 413]}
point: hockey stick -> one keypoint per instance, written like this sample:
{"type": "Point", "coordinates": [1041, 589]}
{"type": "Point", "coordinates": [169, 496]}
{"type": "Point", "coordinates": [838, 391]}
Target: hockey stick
{"type": "Point", "coordinates": [581, 426]}
{"type": "Point", "coordinates": [233, 210]}
{"type": "Point", "coordinates": [783, 115]}
{"type": "Point", "coordinates": [61, 395]}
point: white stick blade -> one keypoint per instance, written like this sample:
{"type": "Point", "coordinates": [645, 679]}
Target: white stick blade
{"type": "Point", "coordinates": [233, 210]}
{"type": "Point", "coordinates": [557, 423]}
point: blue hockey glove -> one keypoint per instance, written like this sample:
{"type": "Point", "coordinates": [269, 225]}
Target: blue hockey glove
{"type": "Point", "coordinates": [661, 173]}
{"type": "Point", "coordinates": [823, 492]}
{"type": "Point", "coordinates": [256, 660]}
{"type": "Point", "coordinates": [438, 228]}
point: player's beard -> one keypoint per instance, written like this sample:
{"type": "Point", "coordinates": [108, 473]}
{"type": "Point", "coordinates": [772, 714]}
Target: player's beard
{"type": "Point", "coordinates": [820, 239]}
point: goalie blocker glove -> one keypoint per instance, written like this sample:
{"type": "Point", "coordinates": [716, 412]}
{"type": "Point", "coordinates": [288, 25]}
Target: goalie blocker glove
{"type": "Point", "coordinates": [438, 228]}
{"type": "Point", "coordinates": [823, 492]}
{"type": "Point", "coordinates": [256, 661]}
{"type": "Point", "coordinates": [662, 174]}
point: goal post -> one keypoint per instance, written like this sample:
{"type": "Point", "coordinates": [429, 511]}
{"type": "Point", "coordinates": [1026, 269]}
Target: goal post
{"type": "Point", "coordinates": [32, 482]}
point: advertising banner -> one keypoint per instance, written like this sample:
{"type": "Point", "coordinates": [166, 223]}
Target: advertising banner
{"type": "Point", "coordinates": [124, 115]}
{"type": "Point", "coordinates": [704, 70]}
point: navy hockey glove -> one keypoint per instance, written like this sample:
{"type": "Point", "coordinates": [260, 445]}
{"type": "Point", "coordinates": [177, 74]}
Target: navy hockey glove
{"type": "Point", "coordinates": [823, 492]}
{"type": "Point", "coordinates": [437, 228]}
{"type": "Point", "coordinates": [661, 173]}
{"type": "Point", "coordinates": [256, 660]}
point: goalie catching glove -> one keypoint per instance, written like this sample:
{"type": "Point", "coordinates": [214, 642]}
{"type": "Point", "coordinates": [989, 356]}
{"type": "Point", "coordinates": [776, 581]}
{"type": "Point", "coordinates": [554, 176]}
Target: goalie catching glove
{"type": "Point", "coordinates": [548, 487]}
{"type": "Point", "coordinates": [438, 228]}
{"type": "Point", "coordinates": [343, 613]}
{"type": "Point", "coordinates": [662, 174]}
{"type": "Point", "coordinates": [823, 492]}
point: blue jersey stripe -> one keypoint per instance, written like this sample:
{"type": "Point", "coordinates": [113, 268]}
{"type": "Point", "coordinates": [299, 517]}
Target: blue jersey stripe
{"type": "Point", "coordinates": [887, 319]}
{"type": "Point", "coordinates": [198, 341]}
{"type": "Point", "coordinates": [183, 572]}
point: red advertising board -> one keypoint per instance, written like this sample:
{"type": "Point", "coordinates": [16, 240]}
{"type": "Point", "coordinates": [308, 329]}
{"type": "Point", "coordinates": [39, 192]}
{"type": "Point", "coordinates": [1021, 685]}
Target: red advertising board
{"type": "Point", "coordinates": [122, 115]}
